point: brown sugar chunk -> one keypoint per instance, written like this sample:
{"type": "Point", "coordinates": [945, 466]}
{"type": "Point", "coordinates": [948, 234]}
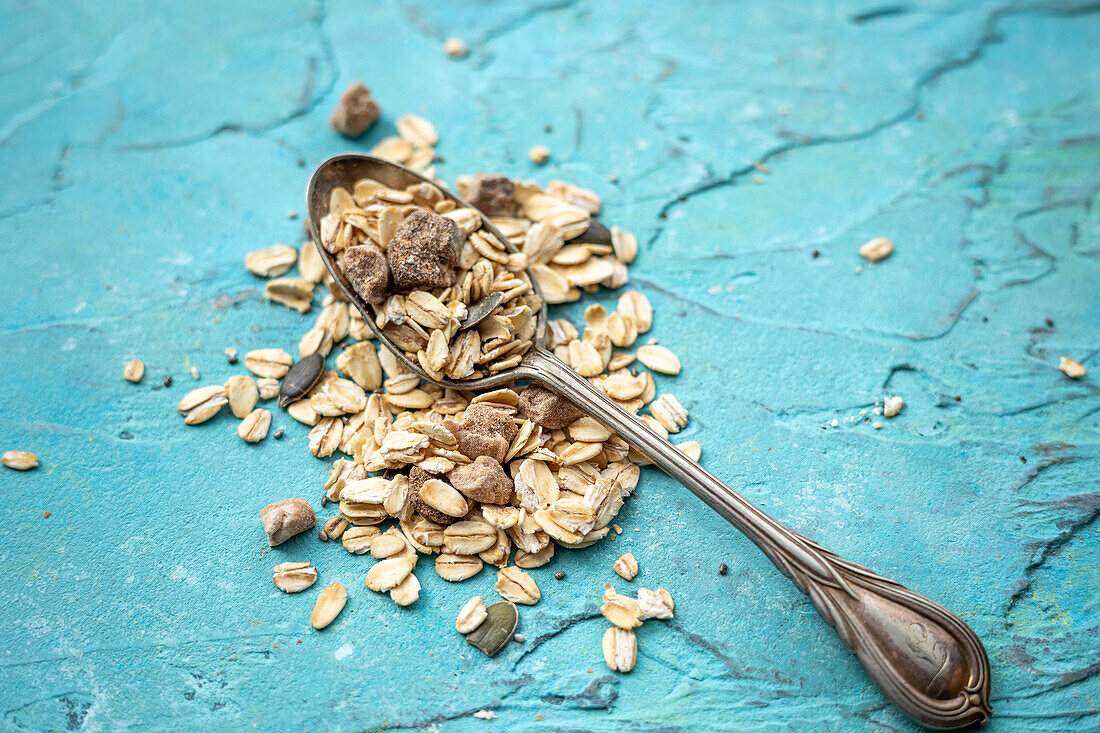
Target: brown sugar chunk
{"type": "Point", "coordinates": [494, 195]}
{"type": "Point", "coordinates": [285, 519]}
{"type": "Point", "coordinates": [356, 112]}
{"type": "Point", "coordinates": [417, 477]}
{"type": "Point", "coordinates": [547, 408]}
{"type": "Point", "coordinates": [366, 267]}
{"type": "Point", "coordinates": [423, 252]}
{"type": "Point", "coordinates": [484, 431]}
{"type": "Point", "coordinates": [483, 480]}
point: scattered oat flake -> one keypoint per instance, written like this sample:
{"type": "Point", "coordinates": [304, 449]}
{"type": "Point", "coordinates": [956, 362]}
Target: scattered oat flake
{"type": "Point", "coordinates": [877, 249]}
{"type": "Point", "coordinates": [1071, 368]}
{"type": "Point", "coordinates": [195, 373]}
{"type": "Point", "coordinates": [456, 48]}
{"type": "Point", "coordinates": [133, 371]}
{"type": "Point", "coordinates": [19, 460]}
{"type": "Point", "coordinates": [539, 154]}
{"type": "Point", "coordinates": [485, 715]}
{"type": "Point", "coordinates": [891, 406]}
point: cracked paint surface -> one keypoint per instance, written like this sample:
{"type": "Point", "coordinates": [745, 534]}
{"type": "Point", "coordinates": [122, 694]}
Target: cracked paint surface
{"type": "Point", "coordinates": [149, 148]}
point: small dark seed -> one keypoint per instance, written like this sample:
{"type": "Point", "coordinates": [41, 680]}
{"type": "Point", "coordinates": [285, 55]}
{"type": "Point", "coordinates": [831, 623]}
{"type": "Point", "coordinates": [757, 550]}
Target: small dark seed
{"type": "Point", "coordinates": [232, 359]}
{"type": "Point", "coordinates": [322, 536]}
{"type": "Point", "coordinates": [559, 575]}
{"type": "Point", "coordinates": [324, 500]}
{"type": "Point", "coordinates": [480, 310]}
{"type": "Point", "coordinates": [1023, 460]}
{"type": "Point", "coordinates": [547, 128]}
{"type": "Point", "coordinates": [301, 378]}
{"type": "Point", "coordinates": [279, 434]}
{"type": "Point", "coordinates": [1050, 323]}
{"type": "Point", "coordinates": [168, 381]}
{"type": "Point", "coordinates": [958, 398]}
{"type": "Point", "coordinates": [815, 254]}
{"type": "Point", "coordinates": [596, 233]}
{"type": "Point", "coordinates": [126, 435]}
{"type": "Point", "coordinates": [722, 569]}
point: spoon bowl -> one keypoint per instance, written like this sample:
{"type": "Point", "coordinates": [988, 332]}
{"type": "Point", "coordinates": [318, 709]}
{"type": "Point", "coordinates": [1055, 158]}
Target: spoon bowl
{"type": "Point", "coordinates": [342, 171]}
{"type": "Point", "coordinates": [921, 655]}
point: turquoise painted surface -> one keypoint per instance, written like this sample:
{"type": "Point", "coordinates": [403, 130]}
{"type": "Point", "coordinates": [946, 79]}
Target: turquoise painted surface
{"type": "Point", "coordinates": [148, 146]}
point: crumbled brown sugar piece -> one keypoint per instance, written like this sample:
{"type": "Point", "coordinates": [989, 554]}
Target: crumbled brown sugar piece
{"type": "Point", "coordinates": [356, 112]}
{"type": "Point", "coordinates": [484, 431]}
{"type": "Point", "coordinates": [368, 271]}
{"type": "Point", "coordinates": [492, 195]}
{"type": "Point", "coordinates": [423, 251]}
{"type": "Point", "coordinates": [547, 408]}
{"type": "Point", "coordinates": [285, 519]}
{"type": "Point", "coordinates": [483, 480]}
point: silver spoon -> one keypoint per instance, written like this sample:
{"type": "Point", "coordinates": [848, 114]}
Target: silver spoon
{"type": "Point", "coordinates": [922, 656]}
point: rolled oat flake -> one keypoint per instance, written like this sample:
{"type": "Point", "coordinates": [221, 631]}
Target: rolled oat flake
{"type": "Point", "coordinates": [495, 631]}
{"type": "Point", "coordinates": [301, 378]}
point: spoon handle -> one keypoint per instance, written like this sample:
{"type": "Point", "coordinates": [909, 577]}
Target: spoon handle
{"type": "Point", "coordinates": [922, 656]}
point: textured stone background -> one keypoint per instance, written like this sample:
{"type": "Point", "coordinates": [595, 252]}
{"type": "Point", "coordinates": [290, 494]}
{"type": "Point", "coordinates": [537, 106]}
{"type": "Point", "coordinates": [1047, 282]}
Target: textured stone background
{"type": "Point", "coordinates": [145, 148]}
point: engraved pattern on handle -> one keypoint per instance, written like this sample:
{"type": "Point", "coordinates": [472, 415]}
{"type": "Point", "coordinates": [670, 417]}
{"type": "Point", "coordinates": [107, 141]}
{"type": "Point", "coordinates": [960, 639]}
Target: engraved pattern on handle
{"type": "Point", "coordinates": [922, 656]}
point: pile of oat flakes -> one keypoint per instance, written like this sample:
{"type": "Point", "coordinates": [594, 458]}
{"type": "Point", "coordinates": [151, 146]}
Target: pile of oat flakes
{"type": "Point", "coordinates": [504, 477]}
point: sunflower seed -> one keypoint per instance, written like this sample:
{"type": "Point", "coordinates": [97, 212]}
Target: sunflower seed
{"type": "Point", "coordinates": [270, 363]}
{"type": "Point", "coordinates": [330, 602]}
{"type": "Point", "coordinates": [471, 616]}
{"type": "Point", "coordinates": [294, 577]}
{"type": "Point", "coordinates": [517, 586]}
{"type": "Point", "coordinates": [300, 379]}
{"type": "Point", "coordinates": [494, 632]}
{"type": "Point", "coordinates": [620, 649]}
{"type": "Point", "coordinates": [133, 371]}
{"type": "Point", "coordinates": [19, 460]}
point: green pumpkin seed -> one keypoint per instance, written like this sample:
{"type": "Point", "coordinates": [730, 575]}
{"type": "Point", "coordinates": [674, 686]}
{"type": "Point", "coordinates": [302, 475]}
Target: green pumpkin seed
{"type": "Point", "coordinates": [480, 310]}
{"type": "Point", "coordinates": [495, 631]}
{"type": "Point", "coordinates": [301, 378]}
